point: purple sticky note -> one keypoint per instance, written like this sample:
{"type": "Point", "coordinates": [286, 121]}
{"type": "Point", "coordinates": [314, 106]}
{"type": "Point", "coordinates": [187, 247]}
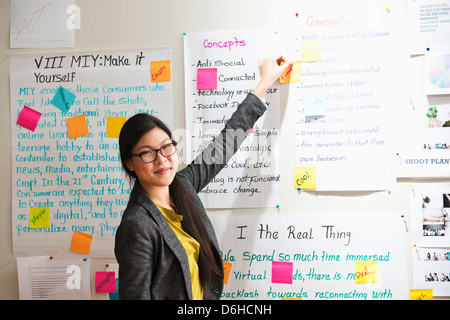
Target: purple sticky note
{"type": "Point", "coordinates": [206, 78]}
{"type": "Point", "coordinates": [28, 118]}
{"type": "Point", "coordinates": [282, 272]}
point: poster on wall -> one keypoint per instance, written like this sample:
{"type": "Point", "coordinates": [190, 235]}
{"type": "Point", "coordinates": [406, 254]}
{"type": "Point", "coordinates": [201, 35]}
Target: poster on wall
{"type": "Point", "coordinates": [326, 257]}
{"type": "Point", "coordinates": [67, 109]}
{"type": "Point", "coordinates": [221, 68]}
{"type": "Point", "coordinates": [342, 94]}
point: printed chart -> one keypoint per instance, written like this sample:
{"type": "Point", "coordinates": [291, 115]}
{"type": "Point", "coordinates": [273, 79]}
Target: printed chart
{"type": "Point", "coordinates": [41, 24]}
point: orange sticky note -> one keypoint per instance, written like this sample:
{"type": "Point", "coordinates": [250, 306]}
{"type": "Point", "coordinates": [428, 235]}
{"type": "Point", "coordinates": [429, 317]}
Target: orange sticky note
{"type": "Point", "coordinates": [114, 125]}
{"type": "Point", "coordinates": [77, 126]}
{"type": "Point", "coordinates": [366, 272]}
{"type": "Point", "coordinates": [291, 74]}
{"type": "Point", "coordinates": [311, 50]}
{"type": "Point", "coordinates": [160, 71]}
{"type": "Point", "coordinates": [226, 271]}
{"type": "Point", "coordinates": [81, 242]}
{"type": "Point", "coordinates": [421, 294]}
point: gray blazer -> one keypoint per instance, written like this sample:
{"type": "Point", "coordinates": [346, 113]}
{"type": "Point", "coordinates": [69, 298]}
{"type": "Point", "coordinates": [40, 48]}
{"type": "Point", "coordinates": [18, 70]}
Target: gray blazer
{"type": "Point", "coordinates": [152, 262]}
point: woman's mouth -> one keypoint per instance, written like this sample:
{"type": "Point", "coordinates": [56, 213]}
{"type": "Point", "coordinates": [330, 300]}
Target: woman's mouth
{"type": "Point", "coordinates": [162, 171]}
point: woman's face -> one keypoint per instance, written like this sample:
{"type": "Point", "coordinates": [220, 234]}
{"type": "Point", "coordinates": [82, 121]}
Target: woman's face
{"type": "Point", "coordinates": [159, 173]}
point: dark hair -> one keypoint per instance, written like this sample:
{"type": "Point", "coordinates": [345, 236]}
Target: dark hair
{"type": "Point", "coordinates": [193, 224]}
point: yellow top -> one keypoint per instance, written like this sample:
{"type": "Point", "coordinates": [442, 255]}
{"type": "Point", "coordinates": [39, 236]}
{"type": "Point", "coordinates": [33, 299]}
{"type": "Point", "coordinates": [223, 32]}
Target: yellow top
{"type": "Point", "coordinates": [191, 246]}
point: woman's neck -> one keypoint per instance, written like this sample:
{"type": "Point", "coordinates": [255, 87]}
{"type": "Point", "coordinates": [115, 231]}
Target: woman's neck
{"type": "Point", "coordinates": [159, 196]}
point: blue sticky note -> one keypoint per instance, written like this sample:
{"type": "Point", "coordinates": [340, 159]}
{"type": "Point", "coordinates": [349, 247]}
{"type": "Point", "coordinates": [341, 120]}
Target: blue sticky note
{"type": "Point", "coordinates": [63, 99]}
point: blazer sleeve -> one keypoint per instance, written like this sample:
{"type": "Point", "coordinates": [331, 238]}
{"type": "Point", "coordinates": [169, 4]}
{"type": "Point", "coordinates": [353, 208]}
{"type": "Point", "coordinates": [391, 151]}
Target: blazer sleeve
{"type": "Point", "coordinates": [134, 253]}
{"type": "Point", "coordinates": [217, 154]}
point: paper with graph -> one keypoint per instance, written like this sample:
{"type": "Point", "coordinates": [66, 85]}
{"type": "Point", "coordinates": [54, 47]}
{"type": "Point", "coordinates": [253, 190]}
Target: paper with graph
{"type": "Point", "coordinates": [42, 23]}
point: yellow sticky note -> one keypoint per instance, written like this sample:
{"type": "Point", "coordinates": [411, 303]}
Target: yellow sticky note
{"type": "Point", "coordinates": [114, 125]}
{"type": "Point", "coordinates": [366, 272]}
{"type": "Point", "coordinates": [421, 294]}
{"type": "Point", "coordinates": [226, 271]}
{"type": "Point", "coordinates": [160, 71]}
{"type": "Point", "coordinates": [305, 178]}
{"type": "Point", "coordinates": [311, 50]}
{"type": "Point", "coordinates": [291, 74]}
{"type": "Point", "coordinates": [81, 242]}
{"type": "Point", "coordinates": [77, 126]}
{"type": "Point", "coordinates": [39, 217]}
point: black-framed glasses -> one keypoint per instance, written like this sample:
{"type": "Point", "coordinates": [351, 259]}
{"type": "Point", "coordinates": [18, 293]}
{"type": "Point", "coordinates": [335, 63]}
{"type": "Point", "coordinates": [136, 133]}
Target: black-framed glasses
{"type": "Point", "coordinates": [166, 150]}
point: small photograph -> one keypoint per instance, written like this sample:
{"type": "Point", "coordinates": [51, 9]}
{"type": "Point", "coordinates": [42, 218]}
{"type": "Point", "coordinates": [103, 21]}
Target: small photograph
{"type": "Point", "coordinates": [434, 254]}
{"type": "Point", "coordinates": [434, 276]}
{"type": "Point", "coordinates": [435, 214]}
{"type": "Point", "coordinates": [438, 116]}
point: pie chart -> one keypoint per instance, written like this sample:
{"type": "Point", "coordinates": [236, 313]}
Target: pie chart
{"type": "Point", "coordinates": [439, 71]}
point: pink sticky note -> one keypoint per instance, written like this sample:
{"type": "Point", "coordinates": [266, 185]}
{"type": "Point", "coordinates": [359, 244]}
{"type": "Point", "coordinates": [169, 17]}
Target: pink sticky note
{"type": "Point", "coordinates": [28, 118]}
{"type": "Point", "coordinates": [206, 78]}
{"type": "Point", "coordinates": [105, 282]}
{"type": "Point", "coordinates": [282, 272]}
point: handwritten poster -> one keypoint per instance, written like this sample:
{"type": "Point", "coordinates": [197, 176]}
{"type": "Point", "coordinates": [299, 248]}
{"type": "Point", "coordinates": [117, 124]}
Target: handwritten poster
{"type": "Point", "coordinates": [313, 258]}
{"type": "Point", "coordinates": [342, 102]}
{"type": "Point", "coordinates": [68, 160]}
{"type": "Point", "coordinates": [221, 68]}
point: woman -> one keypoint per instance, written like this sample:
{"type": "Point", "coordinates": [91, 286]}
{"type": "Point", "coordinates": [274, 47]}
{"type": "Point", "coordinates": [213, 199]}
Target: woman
{"type": "Point", "coordinates": [165, 245]}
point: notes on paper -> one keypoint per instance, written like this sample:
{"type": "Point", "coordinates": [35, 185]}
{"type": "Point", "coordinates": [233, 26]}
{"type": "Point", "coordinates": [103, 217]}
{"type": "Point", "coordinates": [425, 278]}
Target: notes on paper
{"type": "Point", "coordinates": [421, 294]}
{"type": "Point", "coordinates": [81, 242]}
{"type": "Point", "coordinates": [314, 257]}
{"type": "Point", "coordinates": [291, 74]}
{"type": "Point", "coordinates": [114, 125]}
{"type": "Point", "coordinates": [226, 271]}
{"type": "Point", "coordinates": [72, 159]}
{"type": "Point", "coordinates": [219, 75]}
{"type": "Point", "coordinates": [39, 217]}
{"type": "Point", "coordinates": [28, 118]}
{"type": "Point", "coordinates": [63, 99]}
{"type": "Point", "coordinates": [206, 78]}
{"type": "Point", "coordinates": [311, 50]}
{"type": "Point", "coordinates": [366, 272]}
{"type": "Point", "coordinates": [77, 126]}
{"type": "Point", "coordinates": [282, 272]}
{"type": "Point", "coordinates": [105, 282]}
{"type": "Point", "coordinates": [160, 71]}
{"type": "Point", "coordinates": [305, 178]}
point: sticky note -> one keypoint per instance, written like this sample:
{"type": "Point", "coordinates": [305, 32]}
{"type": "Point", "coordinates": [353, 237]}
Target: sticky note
{"type": "Point", "coordinates": [77, 126]}
{"type": "Point", "coordinates": [206, 78]}
{"type": "Point", "coordinates": [421, 294]}
{"type": "Point", "coordinates": [63, 99]}
{"type": "Point", "coordinates": [311, 50]}
{"type": "Point", "coordinates": [160, 71]}
{"type": "Point", "coordinates": [28, 118]}
{"type": "Point", "coordinates": [105, 281]}
{"type": "Point", "coordinates": [226, 270]}
{"type": "Point", "coordinates": [39, 217]}
{"type": "Point", "coordinates": [114, 125]}
{"type": "Point", "coordinates": [315, 105]}
{"type": "Point", "coordinates": [282, 272]}
{"type": "Point", "coordinates": [291, 74]}
{"type": "Point", "coordinates": [366, 272]}
{"type": "Point", "coordinates": [305, 178]}
{"type": "Point", "coordinates": [81, 243]}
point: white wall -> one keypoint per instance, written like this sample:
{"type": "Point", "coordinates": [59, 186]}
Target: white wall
{"type": "Point", "coordinates": [120, 24]}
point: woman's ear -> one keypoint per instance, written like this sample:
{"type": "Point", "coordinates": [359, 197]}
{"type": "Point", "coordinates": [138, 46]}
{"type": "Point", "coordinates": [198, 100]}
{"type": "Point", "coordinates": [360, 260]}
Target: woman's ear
{"type": "Point", "coordinates": [129, 164]}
